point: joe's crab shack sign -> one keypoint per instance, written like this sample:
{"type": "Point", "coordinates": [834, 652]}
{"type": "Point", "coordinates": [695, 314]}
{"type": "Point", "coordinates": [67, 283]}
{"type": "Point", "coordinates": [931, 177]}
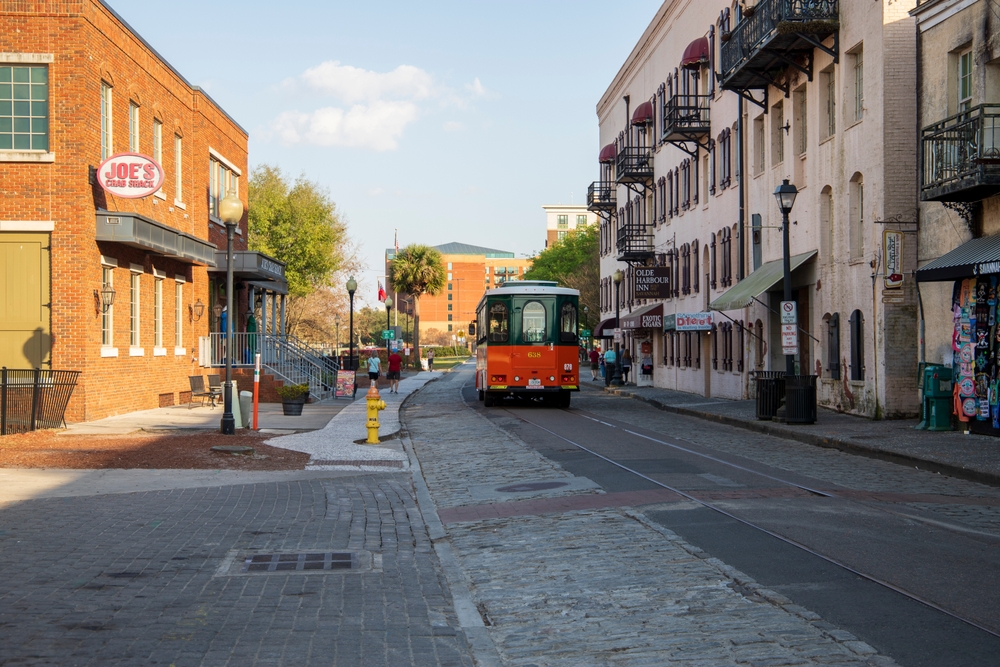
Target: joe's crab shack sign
{"type": "Point", "coordinates": [130, 175]}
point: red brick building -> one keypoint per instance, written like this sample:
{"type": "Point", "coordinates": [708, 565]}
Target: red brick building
{"type": "Point", "coordinates": [78, 85]}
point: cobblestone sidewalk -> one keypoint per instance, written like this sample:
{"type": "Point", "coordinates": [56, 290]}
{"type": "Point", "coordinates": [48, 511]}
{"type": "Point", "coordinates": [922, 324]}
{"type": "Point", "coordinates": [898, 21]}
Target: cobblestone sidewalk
{"type": "Point", "coordinates": [599, 586]}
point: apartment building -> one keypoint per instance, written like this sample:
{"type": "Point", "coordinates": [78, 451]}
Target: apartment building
{"type": "Point", "coordinates": [561, 220]}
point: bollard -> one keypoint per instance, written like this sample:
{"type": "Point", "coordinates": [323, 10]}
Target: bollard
{"type": "Point", "coordinates": [375, 403]}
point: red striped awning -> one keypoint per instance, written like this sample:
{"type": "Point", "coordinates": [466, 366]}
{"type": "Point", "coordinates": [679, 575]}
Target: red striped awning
{"type": "Point", "coordinates": [608, 153]}
{"type": "Point", "coordinates": [643, 114]}
{"type": "Point", "coordinates": [695, 54]}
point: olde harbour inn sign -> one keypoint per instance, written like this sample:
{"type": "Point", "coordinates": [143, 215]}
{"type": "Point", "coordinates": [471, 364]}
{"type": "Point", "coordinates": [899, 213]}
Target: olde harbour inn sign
{"type": "Point", "coordinates": [130, 175]}
{"type": "Point", "coordinates": [652, 282]}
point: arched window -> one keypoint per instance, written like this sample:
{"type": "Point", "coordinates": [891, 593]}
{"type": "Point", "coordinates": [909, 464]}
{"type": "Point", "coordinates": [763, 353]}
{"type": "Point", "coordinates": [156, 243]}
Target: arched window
{"type": "Point", "coordinates": [533, 323]}
{"type": "Point", "coordinates": [857, 323]}
{"type": "Point", "coordinates": [498, 332]}
{"type": "Point", "coordinates": [567, 323]}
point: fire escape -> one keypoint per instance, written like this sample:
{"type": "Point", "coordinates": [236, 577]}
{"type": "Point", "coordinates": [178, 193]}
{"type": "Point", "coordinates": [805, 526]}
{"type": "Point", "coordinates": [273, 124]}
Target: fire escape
{"type": "Point", "coordinates": [634, 170]}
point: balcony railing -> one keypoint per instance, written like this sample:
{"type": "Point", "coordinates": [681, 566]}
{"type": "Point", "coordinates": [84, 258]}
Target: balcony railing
{"type": "Point", "coordinates": [634, 165]}
{"type": "Point", "coordinates": [601, 196]}
{"type": "Point", "coordinates": [686, 118]}
{"type": "Point", "coordinates": [961, 156]}
{"type": "Point", "coordinates": [763, 41]}
{"type": "Point", "coordinates": [635, 243]}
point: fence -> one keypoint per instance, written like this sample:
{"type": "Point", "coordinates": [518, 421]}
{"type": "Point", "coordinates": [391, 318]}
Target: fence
{"type": "Point", "coordinates": [34, 398]}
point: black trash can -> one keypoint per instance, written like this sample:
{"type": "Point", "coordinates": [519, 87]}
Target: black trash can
{"type": "Point", "coordinates": [770, 392]}
{"type": "Point", "coordinates": [800, 399]}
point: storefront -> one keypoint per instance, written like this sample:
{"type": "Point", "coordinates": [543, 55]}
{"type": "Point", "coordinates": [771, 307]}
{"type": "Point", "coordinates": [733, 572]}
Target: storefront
{"type": "Point", "coordinates": [640, 326]}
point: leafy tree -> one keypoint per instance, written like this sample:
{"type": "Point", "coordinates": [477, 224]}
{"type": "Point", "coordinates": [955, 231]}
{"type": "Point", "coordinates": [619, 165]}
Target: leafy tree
{"type": "Point", "coordinates": [417, 270]}
{"type": "Point", "coordinates": [574, 262]}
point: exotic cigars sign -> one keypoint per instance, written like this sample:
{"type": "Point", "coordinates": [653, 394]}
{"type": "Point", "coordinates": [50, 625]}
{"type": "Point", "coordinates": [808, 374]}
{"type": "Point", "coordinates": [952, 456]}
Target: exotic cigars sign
{"type": "Point", "coordinates": [130, 175]}
{"type": "Point", "coordinates": [652, 283]}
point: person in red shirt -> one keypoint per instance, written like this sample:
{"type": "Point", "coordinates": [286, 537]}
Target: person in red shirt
{"type": "Point", "coordinates": [395, 364]}
{"type": "Point", "coordinates": [595, 363]}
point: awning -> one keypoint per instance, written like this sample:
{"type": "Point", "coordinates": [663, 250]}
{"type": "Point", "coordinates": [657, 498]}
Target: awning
{"type": "Point", "coordinates": [606, 329]}
{"type": "Point", "coordinates": [643, 114]}
{"type": "Point", "coordinates": [972, 258]}
{"type": "Point", "coordinates": [647, 317]}
{"type": "Point", "coordinates": [695, 54]}
{"type": "Point", "coordinates": [138, 231]}
{"type": "Point", "coordinates": [767, 276]}
{"type": "Point", "coordinates": [268, 272]}
{"type": "Point", "coordinates": [608, 153]}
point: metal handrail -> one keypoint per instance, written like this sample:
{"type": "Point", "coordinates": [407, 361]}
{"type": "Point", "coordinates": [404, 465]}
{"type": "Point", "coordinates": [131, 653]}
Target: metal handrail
{"type": "Point", "coordinates": [634, 237]}
{"type": "Point", "coordinates": [601, 193]}
{"type": "Point", "coordinates": [686, 112]}
{"type": "Point", "coordinates": [634, 161]}
{"type": "Point", "coordinates": [964, 145]}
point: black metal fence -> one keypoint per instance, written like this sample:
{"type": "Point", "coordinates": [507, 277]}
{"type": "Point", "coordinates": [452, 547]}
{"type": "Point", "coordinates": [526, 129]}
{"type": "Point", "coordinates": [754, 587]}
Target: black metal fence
{"type": "Point", "coordinates": [961, 152]}
{"type": "Point", "coordinates": [34, 398]}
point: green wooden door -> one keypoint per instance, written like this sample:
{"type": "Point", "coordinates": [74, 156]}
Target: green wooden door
{"type": "Point", "coordinates": [25, 301]}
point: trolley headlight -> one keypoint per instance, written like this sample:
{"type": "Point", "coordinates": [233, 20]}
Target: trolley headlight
{"type": "Point", "coordinates": [552, 378]}
{"type": "Point", "coordinates": [517, 378]}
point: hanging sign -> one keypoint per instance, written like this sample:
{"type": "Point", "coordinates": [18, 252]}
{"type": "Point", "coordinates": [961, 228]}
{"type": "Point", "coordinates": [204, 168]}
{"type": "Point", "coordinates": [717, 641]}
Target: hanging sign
{"type": "Point", "coordinates": [892, 250]}
{"type": "Point", "coordinates": [130, 175]}
{"type": "Point", "coordinates": [694, 321]}
{"type": "Point", "coordinates": [652, 282]}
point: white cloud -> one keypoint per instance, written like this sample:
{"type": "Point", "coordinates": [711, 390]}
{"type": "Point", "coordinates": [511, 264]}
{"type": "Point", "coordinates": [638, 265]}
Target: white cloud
{"type": "Point", "coordinates": [377, 126]}
{"type": "Point", "coordinates": [353, 84]}
{"type": "Point", "coordinates": [453, 126]}
{"type": "Point", "coordinates": [476, 87]}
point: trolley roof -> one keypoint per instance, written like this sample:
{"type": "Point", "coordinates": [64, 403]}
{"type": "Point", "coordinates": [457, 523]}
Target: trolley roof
{"type": "Point", "coordinates": [531, 287]}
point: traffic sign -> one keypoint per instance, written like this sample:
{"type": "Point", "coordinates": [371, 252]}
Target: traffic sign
{"type": "Point", "coordinates": [388, 334]}
{"type": "Point", "coordinates": [789, 312]}
{"type": "Point", "coordinates": [585, 333]}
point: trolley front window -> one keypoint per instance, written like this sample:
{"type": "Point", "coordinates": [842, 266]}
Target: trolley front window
{"type": "Point", "coordinates": [567, 323]}
{"type": "Point", "coordinates": [498, 323]}
{"type": "Point", "coordinates": [533, 322]}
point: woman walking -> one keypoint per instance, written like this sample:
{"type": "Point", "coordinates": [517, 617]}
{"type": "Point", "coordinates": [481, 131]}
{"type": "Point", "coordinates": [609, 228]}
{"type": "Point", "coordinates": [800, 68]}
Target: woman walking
{"type": "Point", "coordinates": [373, 366]}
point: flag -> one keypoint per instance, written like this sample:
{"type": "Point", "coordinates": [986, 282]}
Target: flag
{"type": "Point", "coordinates": [381, 291]}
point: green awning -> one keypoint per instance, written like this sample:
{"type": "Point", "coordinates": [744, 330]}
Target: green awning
{"type": "Point", "coordinates": [767, 276]}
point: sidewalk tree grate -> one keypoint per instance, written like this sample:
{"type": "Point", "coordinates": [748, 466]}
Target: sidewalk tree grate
{"type": "Point", "coordinates": [265, 563]}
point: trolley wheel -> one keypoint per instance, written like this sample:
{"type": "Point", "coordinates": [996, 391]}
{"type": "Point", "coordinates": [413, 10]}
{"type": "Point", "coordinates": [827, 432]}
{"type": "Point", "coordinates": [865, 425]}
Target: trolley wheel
{"type": "Point", "coordinates": [563, 400]}
{"type": "Point", "coordinates": [488, 400]}
{"type": "Point", "coordinates": [482, 394]}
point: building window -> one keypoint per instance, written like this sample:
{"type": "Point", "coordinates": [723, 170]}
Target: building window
{"type": "Point", "coordinates": [581, 220]}
{"type": "Point", "coordinates": [758, 144]}
{"type": "Point", "coordinates": [449, 297]}
{"type": "Point", "coordinates": [107, 316]}
{"type": "Point", "coordinates": [725, 158]}
{"type": "Point", "coordinates": [24, 108]}
{"type": "Point", "coordinates": [107, 134]}
{"type": "Point", "coordinates": [178, 168]}
{"type": "Point", "coordinates": [449, 318]}
{"type": "Point", "coordinates": [857, 221]}
{"type": "Point", "coordinates": [158, 142]}
{"type": "Point", "coordinates": [801, 121]}
{"type": "Point", "coordinates": [449, 306]}
{"type": "Point", "coordinates": [833, 345]}
{"type": "Point", "coordinates": [179, 314]}
{"type": "Point", "coordinates": [221, 179]}
{"type": "Point", "coordinates": [450, 325]}
{"type": "Point", "coordinates": [857, 326]}
{"type": "Point", "coordinates": [158, 312]}
{"type": "Point", "coordinates": [561, 235]}
{"type": "Point", "coordinates": [562, 221]}
{"type": "Point", "coordinates": [740, 343]}
{"type": "Point", "coordinates": [828, 101]}
{"type": "Point", "coordinates": [449, 286]}
{"type": "Point", "coordinates": [133, 127]}
{"type": "Point", "coordinates": [133, 327]}
{"type": "Point", "coordinates": [777, 134]}
{"type": "Point", "coordinates": [965, 81]}
{"type": "Point", "coordinates": [859, 83]}
{"type": "Point", "coordinates": [826, 223]}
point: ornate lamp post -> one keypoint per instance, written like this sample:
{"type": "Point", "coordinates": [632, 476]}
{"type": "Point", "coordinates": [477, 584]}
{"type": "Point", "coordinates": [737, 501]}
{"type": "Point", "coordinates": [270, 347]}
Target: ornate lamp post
{"type": "Point", "coordinates": [388, 310]}
{"type": "Point", "coordinates": [336, 344]}
{"type": "Point", "coordinates": [785, 194]}
{"type": "Point", "coordinates": [616, 379]}
{"type": "Point", "coordinates": [586, 321]}
{"type": "Point", "coordinates": [352, 286]}
{"type": "Point", "coordinates": [230, 212]}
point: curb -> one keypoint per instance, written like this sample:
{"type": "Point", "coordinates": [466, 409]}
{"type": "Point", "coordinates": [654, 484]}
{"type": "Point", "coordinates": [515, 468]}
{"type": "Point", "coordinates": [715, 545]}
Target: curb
{"type": "Point", "coordinates": [773, 429]}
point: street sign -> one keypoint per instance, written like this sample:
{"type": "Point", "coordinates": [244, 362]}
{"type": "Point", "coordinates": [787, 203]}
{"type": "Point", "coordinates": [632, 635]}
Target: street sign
{"type": "Point", "coordinates": [585, 333]}
{"type": "Point", "coordinates": [388, 334]}
{"type": "Point", "coordinates": [789, 312]}
{"type": "Point", "coordinates": [618, 335]}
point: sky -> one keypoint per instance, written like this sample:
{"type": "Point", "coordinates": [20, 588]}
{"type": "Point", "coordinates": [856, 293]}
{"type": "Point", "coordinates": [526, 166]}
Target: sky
{"type": "Point", "coordinates": [446, 121]}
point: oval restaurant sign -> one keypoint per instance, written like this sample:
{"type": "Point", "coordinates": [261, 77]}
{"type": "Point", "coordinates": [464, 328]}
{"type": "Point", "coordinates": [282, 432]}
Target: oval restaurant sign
{"type": "Point", "coordinates": [130, 175]}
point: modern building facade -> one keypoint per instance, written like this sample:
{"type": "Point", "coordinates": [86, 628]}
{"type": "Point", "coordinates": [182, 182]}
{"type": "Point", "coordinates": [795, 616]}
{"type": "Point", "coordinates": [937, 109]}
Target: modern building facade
{"type": "Point", "coordinates": [561, 220]}
{"type": "Point", "coordinates": [117, 288]}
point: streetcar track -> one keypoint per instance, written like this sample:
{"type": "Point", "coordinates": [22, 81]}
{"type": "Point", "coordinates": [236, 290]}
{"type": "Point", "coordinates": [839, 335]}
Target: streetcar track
{"type": "Point", "coordinates": [715, 508]}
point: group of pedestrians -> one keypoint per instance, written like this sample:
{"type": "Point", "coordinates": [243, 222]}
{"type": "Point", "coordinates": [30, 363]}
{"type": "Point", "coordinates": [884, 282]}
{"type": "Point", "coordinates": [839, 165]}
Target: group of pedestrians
{"type": "Point", "coordinates": [602, 365]}
{"type": "Point", "coordinates": [394, 368]}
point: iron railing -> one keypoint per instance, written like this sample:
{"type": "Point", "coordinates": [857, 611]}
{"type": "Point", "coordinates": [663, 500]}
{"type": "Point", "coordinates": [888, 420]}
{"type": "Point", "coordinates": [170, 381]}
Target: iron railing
{"type": "Point", "coordinates": [34, 398]}
{"type": "Point", "coordinates": [754, 32]}
{"type": "Point", "coordinates": [635, 242]}
{"type": "Point", "coordinates": [961, 156]}
{"type": "Point", "coordinates": [601, 196]}
{"type": "Point", "coordinates": [285, 357]}
{"type": "Point", "coordinates": [634, 164]}
{"type": "Point", "coordinates": [685, 117]}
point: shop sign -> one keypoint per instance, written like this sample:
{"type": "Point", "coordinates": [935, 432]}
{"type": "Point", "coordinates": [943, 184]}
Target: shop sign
{"type": "Point", "coordinates": [694, 321]}
{"type": "Point", "coordinates": [892, 250]}
{"type": "Point", "coordinates": [984, 268]}
{"type": "Point", "coordinates": [669, 322]}
{"type": "Point", "coordinates": [652, 282]}
{"type": "Point", "coordinates": [130, 175]}
{"type": "Point", "coordinates": [652, 319]}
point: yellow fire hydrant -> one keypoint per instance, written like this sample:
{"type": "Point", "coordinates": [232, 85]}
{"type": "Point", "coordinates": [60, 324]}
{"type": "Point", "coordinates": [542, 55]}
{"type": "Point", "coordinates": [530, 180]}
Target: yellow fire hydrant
{"type": "Point", "coordinates": [375, 403]}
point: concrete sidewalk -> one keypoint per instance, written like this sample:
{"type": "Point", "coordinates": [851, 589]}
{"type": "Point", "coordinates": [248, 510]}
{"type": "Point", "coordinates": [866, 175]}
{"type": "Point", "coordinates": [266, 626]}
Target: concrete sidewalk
{"type": "Point", "coordinates": [973, 457]}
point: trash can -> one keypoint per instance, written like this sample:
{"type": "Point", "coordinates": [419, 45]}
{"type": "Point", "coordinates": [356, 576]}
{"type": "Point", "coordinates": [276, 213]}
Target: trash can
{"type": "Point", "coordinates": [770, 392]}
{"type": "Point", "coordinates": [936, 403]}
{"type": "Point", "coordinates": [800, 399]}
{"type": "Point", "coordinates": [246, 407]}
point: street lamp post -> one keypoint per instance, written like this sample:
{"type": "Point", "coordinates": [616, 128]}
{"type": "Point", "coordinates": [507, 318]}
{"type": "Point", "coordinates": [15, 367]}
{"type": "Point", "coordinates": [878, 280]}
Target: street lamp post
{"type": "Point", "coordinates": [336, 344]}
{"type": "Point", "coordinates": [388, 311]}
{"type": "Point", "coordinates": [616, 379]}
{"type": "Point", "coordinates": [785, 194]}
{"type": "Point", "coordinates": [586, 322]}
{"type": "Point", "coordinates": [352, 286]}
{"type": "Point", "coordinates": [230, 212]}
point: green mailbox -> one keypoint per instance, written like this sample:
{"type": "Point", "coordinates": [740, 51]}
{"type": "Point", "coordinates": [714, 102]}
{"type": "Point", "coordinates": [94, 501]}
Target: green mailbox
{"type": "Point", "coordinates": [936, 406]}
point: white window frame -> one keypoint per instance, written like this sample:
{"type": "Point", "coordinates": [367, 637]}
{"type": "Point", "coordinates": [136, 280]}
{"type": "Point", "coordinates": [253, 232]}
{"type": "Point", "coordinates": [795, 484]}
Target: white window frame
{"type": "Point", "coordinates": [158, 349]}
{"type": "Point", "coordinates": [135, 314]}
{"type": "Point", "coordinates": [965, 80]}
{"type": "Point", "coordinates": [158, 151]}
{"type": "Point", "coordinates": [108, 348]}
{"type": "Point", "coordinates": [178, 170]}
{"type": "Point", "coordinates": [829, 90]}
{"type": "Point", "coordinates": [133, 127]}
{"type": "Point", "coordinates": [858, 60]}
{"type": "Point", "coordinates": [107, 121]}
{"type": "Point", "coordinates": [179, 348]}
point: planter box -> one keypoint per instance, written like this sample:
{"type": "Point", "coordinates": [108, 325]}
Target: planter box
{"type": "Point", "coordinates": [292, 407]}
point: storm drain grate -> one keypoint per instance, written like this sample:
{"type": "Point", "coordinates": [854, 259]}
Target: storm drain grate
{"type": "Point", "coordinates": [298, 562]}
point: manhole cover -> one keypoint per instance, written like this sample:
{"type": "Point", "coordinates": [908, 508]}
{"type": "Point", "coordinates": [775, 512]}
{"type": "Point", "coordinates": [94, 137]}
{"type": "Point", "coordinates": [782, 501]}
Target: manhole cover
{"type": "Point", "coordinates": [531, 486]}
{"type": "Point", "coordinates": [298, 562]}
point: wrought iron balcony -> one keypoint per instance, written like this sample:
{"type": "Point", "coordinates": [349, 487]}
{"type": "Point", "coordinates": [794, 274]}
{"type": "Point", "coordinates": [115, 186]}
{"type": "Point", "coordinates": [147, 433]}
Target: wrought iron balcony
{"type": "Point", "coordinates": [961, 156]}
{"type": "Point", "coordinates": [601, 196]}
{"type": "Point", "coordinates": [635, 243]}
{"type": "Point", "coordinates": [686, 118]}
{"type": "Point", "coordinates": [634, 165]}
{"type": "Point", "coordinates": [773, 37]}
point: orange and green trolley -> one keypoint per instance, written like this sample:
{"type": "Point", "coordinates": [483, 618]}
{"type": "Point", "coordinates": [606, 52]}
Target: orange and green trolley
{"type": "Point", "coordinates": [527, 343]}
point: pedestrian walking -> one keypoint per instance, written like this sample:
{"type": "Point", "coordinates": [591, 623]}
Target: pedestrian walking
{"type": "Point", "coordinates": [395, 364]}
{"type": "Point", "coordinates": [626, 364]}
{"type": "Point", "coordinates": [373, 367]}
{"type": "Point", "coordinates": [609, 364]}
{"type": "Point", "coordinates": [595, 364]}
{"type": "Point", "coordinates": [430, 359]}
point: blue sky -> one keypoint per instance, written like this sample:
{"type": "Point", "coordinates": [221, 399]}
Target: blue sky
{"type": "Point", "coordinates": [449, 121]}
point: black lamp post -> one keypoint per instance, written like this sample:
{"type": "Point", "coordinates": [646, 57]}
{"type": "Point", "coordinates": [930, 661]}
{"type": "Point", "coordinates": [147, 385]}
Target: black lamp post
{"type": "Point", "coordinates": [785, 194]}
{"type": "Point", "coordinates": [230, 212]}
{"type": "Point", "coordinates": [586, 322]}
{"type": "Point", "coordinates": [352, 286]}
{"type": "Point", "coordinates": [388, 342]}
{"type": "Point", "coordinates": [336, 344]}
{"type": "Point", "coordinates": [616, 379]}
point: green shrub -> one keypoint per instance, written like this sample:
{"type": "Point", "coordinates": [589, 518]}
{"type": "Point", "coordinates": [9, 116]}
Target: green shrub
{"type": "Point", "coordinates": [290, 392]}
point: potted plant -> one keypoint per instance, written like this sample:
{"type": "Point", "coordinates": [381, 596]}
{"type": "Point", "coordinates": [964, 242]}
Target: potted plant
{"type": "Point", "coordinates": [293, 397]}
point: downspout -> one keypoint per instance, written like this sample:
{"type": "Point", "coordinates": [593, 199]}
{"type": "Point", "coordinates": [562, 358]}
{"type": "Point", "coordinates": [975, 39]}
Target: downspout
{"type": "Point", "coordinates": [741, 263]}
{"type": "Point", "coordinates": [921, 344]}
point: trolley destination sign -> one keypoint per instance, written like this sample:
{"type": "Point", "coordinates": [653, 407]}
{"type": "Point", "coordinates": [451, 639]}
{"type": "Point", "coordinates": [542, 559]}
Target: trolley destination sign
{"type": "Point", "coordinates": [652, 282]}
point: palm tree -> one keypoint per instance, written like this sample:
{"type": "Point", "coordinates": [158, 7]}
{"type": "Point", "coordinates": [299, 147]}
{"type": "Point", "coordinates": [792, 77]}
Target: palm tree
{"type": "Point", "coordinates": [417, 270]}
